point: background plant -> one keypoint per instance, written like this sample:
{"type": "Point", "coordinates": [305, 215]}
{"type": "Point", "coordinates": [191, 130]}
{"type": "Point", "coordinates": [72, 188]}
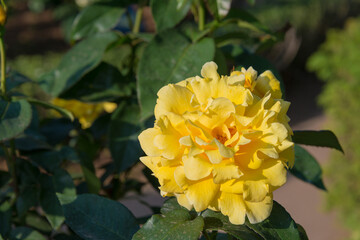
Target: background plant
{"type": "Point", "coordinates": [51, 174]}
{"type": "Point", "coordinates": [335, 63]}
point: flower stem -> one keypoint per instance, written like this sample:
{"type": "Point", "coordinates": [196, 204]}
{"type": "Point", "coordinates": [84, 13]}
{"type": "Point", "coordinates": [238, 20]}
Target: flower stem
{"type": "Point", "coordinates": [3, 67]}
{"type": "Point", "coordinates": [138, 17]}
{"type": "Point", "coordinates": [201, 13]}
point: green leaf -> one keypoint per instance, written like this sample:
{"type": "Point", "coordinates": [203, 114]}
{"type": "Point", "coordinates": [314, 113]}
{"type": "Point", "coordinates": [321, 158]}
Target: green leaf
{"type": "Point", "coordinates": [307, 168]}
{"type": "Point", "coordinates": [93, 217]}
{"type": "Point", "coordinates": [217, 221]}
{"type": "Point", "coordinates": [66, 113]}
{"type": "Point", "coordinates": [5, 218]}
{"type": "Point", "coordinates": [123, 132]}
{"type": "Point", "coordinates": [324, 138]}
{"type": "Point", "coordinates": [96, 18]}
{"type": "Point", "coordinates": [81, 59]}
{"type": "Point", "coordinates": [247, 20]}
{"type": "Point", "coordinates": [15, 117]}
{"type": "Point", "coordinates": [15, 79]}
{"type": "Point", "coordinates": [35, 221]}
{"type": "Point", "coordinates": [169, 58]}
{"type": "Point", "coordinates": [168, 13]}
{"type": "Point", "coordinates": [87, 150]}
{"type": "Point", "coordinates": [60, 182]}
{"type": "Point", "coordinates": [104, 83]}
{"type": "Point", "coordinates": [171, 205]}
{"type": "Point", "coordinates": [278, 226]}
{"type": "Point", "coordinates": [219, 8]}
{"type": "Point", "coordinates": [56, 130]}
{"type": "Point", "coordinates": [176, 225]}
{"type": "Point", "coordinates": [25, 233]}
{"type": "Point", "coordinates": [303, 234]}
{"type": "Point", "coordinates": [241, 28]}
{"type": "Point", "coordinates": [220, 60]}
{"type": "Point", "coordinates": [28, 184]}
{"type": "Point", "coordinates": [49, 160]}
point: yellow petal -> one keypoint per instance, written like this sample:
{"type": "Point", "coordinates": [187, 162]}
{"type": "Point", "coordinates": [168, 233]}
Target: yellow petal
{"type": "Point", "coordinates": [183, 201]}
{"type": "Point", "coordinates": [224, 151]}
{"type": "Point", "coordinates": [267, 82]}
{"type": "Point", "coordinates": [209, 70]}
{"type": "Point", "coordinates": [232, 205]}
{"type": "Point", "coordinates": [175, 99]}
{"type": "Point", "coordinates": [275, 172]}
{"type": "Point", "coordinates": [214, 156]}
{"type": "Point", "coordinates": [201, 193]}
{"type": "Point", "coordinates": [170, 186]}
{"type": "Point", "coordinates": [196, 167]}
{"type": "Point", "coordinates": [255, 191]}
{"type": "Point", "coordinates": [217, 113]}
{"type": "Point", "coordinates": [180, 178]}
{"type": "Point", "coordinates": [146, 139]}
{"type": "Point", "coordinates": [225, 171]}
{"type": "Point", "coordinates": [259, 211]}
{"type": "Point", "coordinates": [151, 162]}
{"type": "Point", "coordinates": [233, 186]}
{"type": "Point", "coordinates": [168, 144]}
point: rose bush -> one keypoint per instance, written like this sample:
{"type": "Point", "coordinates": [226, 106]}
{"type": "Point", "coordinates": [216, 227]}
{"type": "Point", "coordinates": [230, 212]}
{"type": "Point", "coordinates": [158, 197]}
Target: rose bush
{"type": "Point", "coordinates": [221, 142]}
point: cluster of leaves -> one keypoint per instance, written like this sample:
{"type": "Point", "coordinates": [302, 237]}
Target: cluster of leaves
{"type": "Point", "coordinates": [41, 190]}
{"type": "Point", "coordinates": [334, 63]}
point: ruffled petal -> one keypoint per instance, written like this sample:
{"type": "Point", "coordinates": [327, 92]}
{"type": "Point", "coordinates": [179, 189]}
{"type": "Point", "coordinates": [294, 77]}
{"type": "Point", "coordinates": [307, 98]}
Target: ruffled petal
{"type": "Point", "coordinates": [146, 139]}
{"type": "Point", "coordinates": [196, 167]}
{"type": "Point", "coordinates": [267, 82]}
{"type": "Point", "coordinates": [225, 171]}
{"type": "Point", "coordinates": [183, 201]}
{"type": "Point", "coordinates": [201, 193]}
{"type": "Point", "coordinates": [255, 191]}
{"type": "Point", "coordinates": [209, 70]}
{"type": "Point", "coordinates": [175, 99]}
{"type": "Point", "coordinates": [275, 172]}
{"type": "Point", "coordinates": [232, 205]}
{"type": "Point", "coordinates": [259, 211]}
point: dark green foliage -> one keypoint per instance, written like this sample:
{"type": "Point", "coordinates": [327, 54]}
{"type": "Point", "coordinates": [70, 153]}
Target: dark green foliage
{"type": "Point", "coordinates": [324, 138]}
{"type": "Point", "coordinates": [94, 217]}
{"type": "Point", "coordinates": [307, 168]}
{"type": "Point", "coordinates": [15, 118]}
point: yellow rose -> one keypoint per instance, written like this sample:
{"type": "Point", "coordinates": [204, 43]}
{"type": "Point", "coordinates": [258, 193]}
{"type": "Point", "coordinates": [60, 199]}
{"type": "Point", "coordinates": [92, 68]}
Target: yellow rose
{"type": "Point", "coordinates": [85, 112]}
{"type": "Point", "coordinates": [221, 143]}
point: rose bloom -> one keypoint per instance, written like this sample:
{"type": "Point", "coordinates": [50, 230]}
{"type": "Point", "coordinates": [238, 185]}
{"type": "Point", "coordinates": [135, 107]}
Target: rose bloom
{"type": "Point", "coordinates": [221, 142]}
{"type": "Point", "coordinates": [85, 112]}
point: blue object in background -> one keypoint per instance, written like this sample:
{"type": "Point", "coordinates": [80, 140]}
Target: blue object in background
{"type": "Point", "coordinates": [123, 24]}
